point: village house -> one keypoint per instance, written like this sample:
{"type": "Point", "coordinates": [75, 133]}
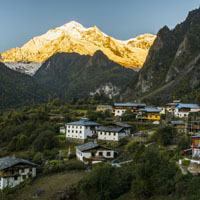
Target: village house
{"type": "Point", "coordinates": [120, 108]}
{"type": "Point", "coordinates": [14, 171]}
{"type": "Point", "coordinates": [170, 106]}
{"type": "Point", "coordinates": [114, 131]}
{"type": "Point", "coordinates": [193, 124]}
{"type": "Point", "coordinates": [182, 110]}
{"type": "Point", "coordinates": [162, 110]}
{"type": "Point", "coordinates": [149, 113]}
{"type": "Point", "coordinates": [62, 128]}
{"type": "Point", "coordinates": [104, 108]}
{"type": "Point", "coordinates": [91, 152]}
{"type": "Point", "coordinates": [79, 131]}
{"type": "Point", "coordinates": [196, 146]}
{"type": "Point", "coordinates": [179, 126]}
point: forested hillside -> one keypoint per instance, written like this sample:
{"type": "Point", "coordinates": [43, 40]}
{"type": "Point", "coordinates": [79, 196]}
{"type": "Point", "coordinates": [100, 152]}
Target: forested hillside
{"type": "Point", "coordinates": [18, 89]}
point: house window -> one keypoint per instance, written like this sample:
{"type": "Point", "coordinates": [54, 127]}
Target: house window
{"type": "Point", "coordinates": [68, 131]}
{"type": "Point", "coordinates": [80, 131]}
{"type": "Point", "coordinates": [100, 153]}
{"type": "Point", "coordinates": [76, 131]}
{"type": "Point", "coordinates": [72, 131]}
{"type": "Point", "coordinates": [15, 178]}
{"type": "Point", "coordinates": [72, 126]}
{"type": "Point", "coordinates": [114, 134]}
{"type": "Point", "coordinates": [22, 171]}
{"type": "Point", "coordinates": [108, 154]}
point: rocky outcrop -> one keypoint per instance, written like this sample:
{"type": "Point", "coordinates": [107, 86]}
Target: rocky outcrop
{"type": "Point", "coordinates": [172, 66]}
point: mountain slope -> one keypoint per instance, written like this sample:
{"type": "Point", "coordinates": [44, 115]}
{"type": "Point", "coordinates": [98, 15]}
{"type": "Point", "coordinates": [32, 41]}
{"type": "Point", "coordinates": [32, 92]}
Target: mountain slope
{"type": "Point", "coordinates": [18, 89]}
{"type": "Point", "coordinates": [73, 37]}
{"type": "Point", "coordinates": [71, 75]}
{"type": "Point", "coordinates": [172, 67]}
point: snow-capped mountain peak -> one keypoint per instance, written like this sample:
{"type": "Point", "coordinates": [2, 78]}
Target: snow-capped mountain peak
{"type": "Point", "coordinates": [73, 37]}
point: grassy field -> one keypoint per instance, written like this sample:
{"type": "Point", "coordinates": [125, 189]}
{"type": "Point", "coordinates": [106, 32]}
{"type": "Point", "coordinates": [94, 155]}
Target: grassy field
{"type": "Point", "coordinates": [51, 184]}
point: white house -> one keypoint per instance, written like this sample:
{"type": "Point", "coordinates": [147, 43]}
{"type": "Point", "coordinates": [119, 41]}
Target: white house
{"type": "Point", "coordinates": [79, 131]}
{"type": "Point", "coordinates": [14, 171]}
{"type": "Point", "coordinates": [162, 110]}
{"type": "Point", "coordinates": [62, 130]}
{"type": "Point", "coordinates": [90, 152]}
{"type": "Point", "coordinates": [120, 108]}
{"type": "Point", "coordinates": [182, 110]}
{"type": "Point", "coordinates": [170, 106]}
{"type": "Point", "coordinates": [113, 131]}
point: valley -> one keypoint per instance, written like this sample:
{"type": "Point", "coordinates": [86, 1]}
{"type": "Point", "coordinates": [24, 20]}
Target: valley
{"type": "Point", "coordinates": [86, 116]}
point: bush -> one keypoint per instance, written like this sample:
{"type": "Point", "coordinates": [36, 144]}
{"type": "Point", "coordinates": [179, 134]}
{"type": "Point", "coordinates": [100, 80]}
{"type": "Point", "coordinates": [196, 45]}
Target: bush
{"type": "Point", "coordinates": [185, 162]}
{"type": "Point", "coordinates": [164, 136]}
{"type": "Point", "coordinates": [37, 158]}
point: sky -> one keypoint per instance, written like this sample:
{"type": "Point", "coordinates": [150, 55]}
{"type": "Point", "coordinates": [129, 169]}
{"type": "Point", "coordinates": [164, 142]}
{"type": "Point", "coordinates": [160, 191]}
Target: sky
{"type": "Point", "coordinates": [22, 20]}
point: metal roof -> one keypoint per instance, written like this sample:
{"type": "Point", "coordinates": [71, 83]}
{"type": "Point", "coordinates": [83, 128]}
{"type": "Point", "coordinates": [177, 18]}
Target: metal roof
{"type": "Point", "coordinates": [88, 146]}
{"type": "Point", "coordinates": [110, 128]}
{"type": "Point", "coordinates": [84, 123]}
{"type": "Point", "coordinates": [129, 104]}
{"type": "Point", "coordinates": [172, 104]}
{"type": "Point", "coordinates": [121, 124]}
{"type": "Point", "coordinates": [196, 136]}
{"type": "Point", "coordinates": [150, 109]}
{"type": "Point", "coordinates": [7, 162]}
{"type": "Point", "coordinates": [188, 105]}
{"type": "Point", "coordinates": [177, 122]}
{"type": "Point", "coordinates": [104, 106]}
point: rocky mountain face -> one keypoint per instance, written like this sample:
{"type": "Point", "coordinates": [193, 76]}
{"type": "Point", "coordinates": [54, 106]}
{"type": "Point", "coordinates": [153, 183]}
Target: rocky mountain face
{"type": "Point", "coordinates": [73, 37]}
{"type": "Point", "coordinates": [18, 89]}
{"type": "Point", "coordinates": [172, 67]}
{"type": "Point", "coordinates": [70, 75]}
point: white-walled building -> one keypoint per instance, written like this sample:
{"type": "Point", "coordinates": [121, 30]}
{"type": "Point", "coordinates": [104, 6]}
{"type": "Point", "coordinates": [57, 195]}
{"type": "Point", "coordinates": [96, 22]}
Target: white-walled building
{"type": "Point", "coordinates": [79, 131]}
{"type": "Point", "coordinates": [14, 171]}
{"type": "Point", "coordinates": [62, 130]}
{"type": "Point", "coordinates": [120, 108]}
{"type": "Point", "coordinates": [162, 110]}
{"type": "Point", "coordinates": [90, 152]}
{"type": "Point", "coordinates": [171, 106]}
{"type": "Point", "coordinates": [114, 131]}
{"type": "Point", "coordinates": [182, 110]}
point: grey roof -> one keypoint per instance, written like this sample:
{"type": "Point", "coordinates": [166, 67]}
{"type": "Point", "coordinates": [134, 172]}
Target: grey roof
{"type": "Point", "coordinates": [172, 104]}
{"type": "Point", "coordinates": [129, 104]}
{"type": "Point", "coordinates": [7, 162]}
{"type": "Point", "coordinates": [104, 105]}
{"type": "Point", "coordinates": [177, 122]}
{"type": "Point", "coordinates": [110, 128]}
{"type": "Point", "coordinates": [84, 123]}
{"type": "Point", "coordinates": [188, 105]}
{"type": "Point", "coordinates": [88, 146]}
{"type": "Point", "coordinates": [121, 124]}
{"type": "Point", "coordinates": [196, 136]}
{"type": "Point", "coordinates": [150, 109]}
